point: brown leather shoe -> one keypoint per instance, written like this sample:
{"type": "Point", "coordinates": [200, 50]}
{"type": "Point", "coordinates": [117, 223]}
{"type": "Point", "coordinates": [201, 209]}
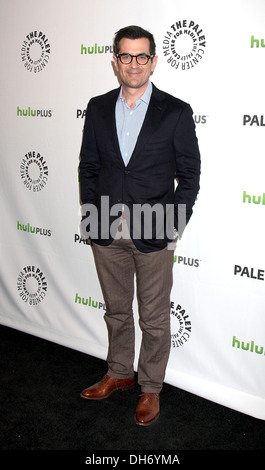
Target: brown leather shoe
{"type": "Point", "coordinates": [148, 410]}
{"type": "Point", "coordinates": [106, 386]}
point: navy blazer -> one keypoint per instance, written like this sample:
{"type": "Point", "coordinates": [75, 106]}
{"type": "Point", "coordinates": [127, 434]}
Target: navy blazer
{"type": "Point", "coordinates": [164, 170]}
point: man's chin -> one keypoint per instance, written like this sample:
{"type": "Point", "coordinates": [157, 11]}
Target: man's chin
{"type": "Point", "coordinates": [134, 83]}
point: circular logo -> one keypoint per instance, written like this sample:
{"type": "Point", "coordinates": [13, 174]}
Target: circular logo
{"type": "Point", "coordinates": [184, 45]}
{"type": "Point", "coordinates": [31, 285]}
{"type": "Point", "coordinates": [34, 171]}
{"type": "Point", "coordinates": [180, 326]}
{"type": "Point", "coordinates": [35, 51]}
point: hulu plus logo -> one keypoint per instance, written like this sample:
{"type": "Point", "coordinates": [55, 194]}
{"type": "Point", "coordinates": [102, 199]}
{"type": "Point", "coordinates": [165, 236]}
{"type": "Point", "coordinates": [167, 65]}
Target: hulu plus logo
{"type": "Point", "coordinates": [34, 112]}
{"type": "Point", "coordinates": [254, 199]}
{"type": "Point", "coordinates": [96, 49]}
{"type": "Point", "coordinates": [250, 346]}
{"type": "Point", "coordinates": [35, 230]}
{"type": "Point", "coordinates": [89, 302]}
{"type": "Point", "coordinates": [257, 42]}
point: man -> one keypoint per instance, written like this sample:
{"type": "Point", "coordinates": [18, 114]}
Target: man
{"type": "Point", "coordinates": [137, 140]}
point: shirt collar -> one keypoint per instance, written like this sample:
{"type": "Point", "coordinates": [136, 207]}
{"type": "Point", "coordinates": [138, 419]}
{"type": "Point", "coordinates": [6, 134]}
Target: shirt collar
{"type": "Point", "coordinates": [145, 96]}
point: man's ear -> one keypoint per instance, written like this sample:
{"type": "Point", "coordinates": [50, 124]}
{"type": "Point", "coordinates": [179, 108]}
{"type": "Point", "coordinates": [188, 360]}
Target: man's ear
{"type": "Point", "coordinates": [115, 60]}
{"type": "Point", "coordinates": [154, 62]}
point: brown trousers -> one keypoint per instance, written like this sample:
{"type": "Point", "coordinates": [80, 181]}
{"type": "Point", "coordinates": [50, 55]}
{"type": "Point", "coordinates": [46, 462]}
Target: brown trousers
{"type": "Point", "coordinates": [117, 264]}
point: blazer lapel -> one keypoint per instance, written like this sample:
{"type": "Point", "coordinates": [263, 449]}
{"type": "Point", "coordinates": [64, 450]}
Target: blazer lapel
{"type": "Point", "coordinates": [109, 118]}
{"type": "Point", "coordinates": [152, 119]}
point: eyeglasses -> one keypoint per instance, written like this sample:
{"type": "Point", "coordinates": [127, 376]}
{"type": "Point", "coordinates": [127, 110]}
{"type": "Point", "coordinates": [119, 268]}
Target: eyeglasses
{"type": "Point", "coordinates": [141, 59]}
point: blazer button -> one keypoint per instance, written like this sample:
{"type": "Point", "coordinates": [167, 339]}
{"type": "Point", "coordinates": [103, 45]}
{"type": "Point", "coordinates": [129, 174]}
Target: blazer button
{"type": "Point", "coordinates": [126, 172]}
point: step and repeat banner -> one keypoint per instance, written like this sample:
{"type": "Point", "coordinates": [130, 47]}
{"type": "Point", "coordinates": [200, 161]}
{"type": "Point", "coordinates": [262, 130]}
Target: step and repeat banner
{"type": "Point", "coordinates": [55, 56]}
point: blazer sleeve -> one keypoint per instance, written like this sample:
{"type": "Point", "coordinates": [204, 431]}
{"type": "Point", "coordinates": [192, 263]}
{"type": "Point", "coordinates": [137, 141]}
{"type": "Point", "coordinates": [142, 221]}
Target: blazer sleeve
{"type": "Point", "coordinates": [89, 165]}
{"type": "Point", "coordinates": [188, 166]}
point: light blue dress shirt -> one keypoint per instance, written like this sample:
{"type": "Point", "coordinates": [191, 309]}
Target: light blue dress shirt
{"type": "Point", "coordinates": [129, 122]}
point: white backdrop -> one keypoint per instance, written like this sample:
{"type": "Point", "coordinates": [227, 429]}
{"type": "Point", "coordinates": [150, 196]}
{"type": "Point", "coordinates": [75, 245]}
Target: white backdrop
{"type": "Point", "coordinates": [54, 57]}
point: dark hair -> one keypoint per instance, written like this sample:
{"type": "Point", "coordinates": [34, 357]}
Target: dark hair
{"type": "Point", "coordinates": [133, 32]}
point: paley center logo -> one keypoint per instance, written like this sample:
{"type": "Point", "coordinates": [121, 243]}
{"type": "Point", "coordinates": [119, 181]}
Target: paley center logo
{"type": "Point", "coordinates": [34, 171]}
{"type": "Point", "coordinates": [249, 272]}
{"type": "Point", "coordinates": [35, 51]}
{"type": "Point", "coordinates": [254, 120]}
{"type": "Point", "coordinates": [184, 44]}
{"type": "Point", "coordinates": [32, 285]}
{"type": "Point", "coordinates": [180, 325]}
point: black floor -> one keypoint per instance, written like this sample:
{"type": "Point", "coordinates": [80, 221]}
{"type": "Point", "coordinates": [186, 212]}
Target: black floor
{"type": "Point", "coordinates": [41, 409]}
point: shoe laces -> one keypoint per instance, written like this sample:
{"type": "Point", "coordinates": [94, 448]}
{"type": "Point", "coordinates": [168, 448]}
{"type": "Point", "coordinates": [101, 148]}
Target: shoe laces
{"type": "Point", "coordinates": [147, 398]}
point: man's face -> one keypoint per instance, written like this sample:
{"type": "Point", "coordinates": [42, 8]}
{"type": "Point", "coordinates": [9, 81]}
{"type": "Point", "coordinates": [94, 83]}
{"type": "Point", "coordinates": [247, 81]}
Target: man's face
{"type": "Point", "coordinates": [134, 75]}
